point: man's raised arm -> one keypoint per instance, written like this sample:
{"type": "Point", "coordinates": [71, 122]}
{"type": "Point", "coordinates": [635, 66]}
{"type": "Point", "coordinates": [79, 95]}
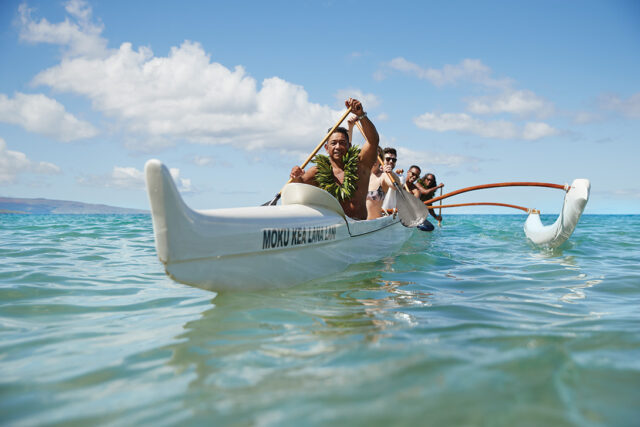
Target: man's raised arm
{"type": "Point", "coordinates": [370, 148]}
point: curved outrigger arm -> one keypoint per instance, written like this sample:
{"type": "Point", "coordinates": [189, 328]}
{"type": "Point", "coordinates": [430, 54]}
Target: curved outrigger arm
{"type": "Point", "coordinates": [505, 205]}
{"type": "Point", "coordinates": [497, 185]}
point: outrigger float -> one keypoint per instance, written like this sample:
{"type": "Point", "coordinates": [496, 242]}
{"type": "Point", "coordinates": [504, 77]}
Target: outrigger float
{"type": "Point", "coordinates": [307, 237]}
{"type": "Point", "coordinates": [557, 233]}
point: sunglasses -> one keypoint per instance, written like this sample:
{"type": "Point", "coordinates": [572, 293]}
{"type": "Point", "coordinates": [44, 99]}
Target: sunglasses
{"type": "Point", "coordinates": [390, 159]}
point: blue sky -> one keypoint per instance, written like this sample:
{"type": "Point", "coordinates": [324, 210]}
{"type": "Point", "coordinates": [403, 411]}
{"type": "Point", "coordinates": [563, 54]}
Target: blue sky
{"type": "Point", "coordinates": [230, 95]}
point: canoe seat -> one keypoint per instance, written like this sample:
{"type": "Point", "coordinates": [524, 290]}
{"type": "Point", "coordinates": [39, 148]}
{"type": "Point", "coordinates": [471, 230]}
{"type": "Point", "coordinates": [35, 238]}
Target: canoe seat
{"type": "Point", "coordinates": [305, 194]}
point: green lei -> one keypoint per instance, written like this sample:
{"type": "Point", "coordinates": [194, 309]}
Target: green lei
{"type": "Point", "coordinates": [326, 180]}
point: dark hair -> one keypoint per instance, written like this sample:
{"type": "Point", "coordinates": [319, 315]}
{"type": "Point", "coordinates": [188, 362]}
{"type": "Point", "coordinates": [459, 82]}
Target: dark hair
{"type": "Point", "coordinates": [341, 130]}
{"type": "Point", "coordinates": [432, 183]}
{"type": "Point", "coordinates": [417, 167]}
{"type": "Point", "coordinates": [390, 150]}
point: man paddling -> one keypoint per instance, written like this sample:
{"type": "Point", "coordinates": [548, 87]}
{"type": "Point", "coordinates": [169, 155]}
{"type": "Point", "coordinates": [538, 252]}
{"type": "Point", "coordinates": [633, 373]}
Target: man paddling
{"type": "Point", "coordinates": [419, 191]}
{"type": "Point", "coordinates": [346, 170]}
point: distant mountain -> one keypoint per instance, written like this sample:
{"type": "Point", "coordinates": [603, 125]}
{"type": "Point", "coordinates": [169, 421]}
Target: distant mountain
{"type": "Point", "coordinates": [46, 206]}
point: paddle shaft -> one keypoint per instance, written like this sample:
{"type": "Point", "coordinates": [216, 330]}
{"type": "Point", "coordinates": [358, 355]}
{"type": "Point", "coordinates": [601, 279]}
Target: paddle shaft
{"type": "Point", "coordinates": [344, 116]}
{"type": "Point", "coordinates": [306, 162]}
{"type": "Point", "coordinates": [496, 185]}
{"type": "Point", "coordinates": [411, 211]}
{"type": "Point", "coordinates": [440, 210]}
{"type": "Point", "coordinates": [379, 159]}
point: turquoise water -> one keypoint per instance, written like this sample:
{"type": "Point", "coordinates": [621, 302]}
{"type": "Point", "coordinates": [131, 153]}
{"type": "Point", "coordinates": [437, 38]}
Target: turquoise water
{"type": "Point", "coordinates": [468, 325]}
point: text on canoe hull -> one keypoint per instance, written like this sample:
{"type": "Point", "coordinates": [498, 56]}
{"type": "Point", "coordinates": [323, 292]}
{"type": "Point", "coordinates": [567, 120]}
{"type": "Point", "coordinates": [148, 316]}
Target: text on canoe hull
{"type": "Point", "coordinates": [286, 237]}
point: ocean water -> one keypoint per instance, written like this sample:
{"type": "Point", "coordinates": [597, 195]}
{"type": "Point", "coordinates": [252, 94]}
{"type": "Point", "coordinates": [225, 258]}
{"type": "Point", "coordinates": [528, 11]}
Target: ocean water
{"type": "Point", "coordinates": [467, 325]}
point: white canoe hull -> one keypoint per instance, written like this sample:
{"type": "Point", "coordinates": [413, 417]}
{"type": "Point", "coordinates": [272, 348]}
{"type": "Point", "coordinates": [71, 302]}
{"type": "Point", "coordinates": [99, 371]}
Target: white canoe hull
{"type": "Point", "coordinates": [557, 233]}
{"type": "Point", "coordinates": [306, 238]}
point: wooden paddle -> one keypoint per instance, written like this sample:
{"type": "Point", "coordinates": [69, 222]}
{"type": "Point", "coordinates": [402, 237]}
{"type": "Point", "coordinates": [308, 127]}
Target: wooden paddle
{"type": "Point", "coordinates": [411, 210]}
{"type": "Point", "coordinates": [273, 201]}
{"type": "Point", "coordinates": [440, 211]}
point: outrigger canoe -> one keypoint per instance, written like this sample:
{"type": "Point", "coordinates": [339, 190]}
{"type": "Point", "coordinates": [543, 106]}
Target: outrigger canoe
{"type": "Point", "coordinates": [307, 237]}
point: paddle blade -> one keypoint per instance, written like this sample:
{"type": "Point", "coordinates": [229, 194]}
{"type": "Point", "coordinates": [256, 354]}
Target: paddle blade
{"type": "Point", "coordinates": [273, 201]}
{"type": "Point", "coordinates": [426, 226]}
{"type": "Point", "coordinates": [411, 210]}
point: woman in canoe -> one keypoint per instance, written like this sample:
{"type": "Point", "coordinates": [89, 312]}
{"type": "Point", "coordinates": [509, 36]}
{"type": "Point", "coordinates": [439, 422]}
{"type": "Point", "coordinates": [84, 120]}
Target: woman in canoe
{"type": "Point", "coordinates": [379, 183]}
{"type": "Point", "coordinates": [422, 190]}
{"type": "Point", "coordinates": [430, 184]}
{"type": "Point", "coordinates": [346, 170]}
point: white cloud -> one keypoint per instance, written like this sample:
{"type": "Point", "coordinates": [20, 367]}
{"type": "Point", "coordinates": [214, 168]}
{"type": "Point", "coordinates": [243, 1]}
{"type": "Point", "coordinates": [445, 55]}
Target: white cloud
{"type": "Point", "coordinates": [520, 102]}
{"type": "Point", "coordinates": [11, 163]}
{"type": "Point", "coordinates": [629, 107]}
{"type": "Point", "coordinates": [537, 130]}
{"type": "Point", "coordinates": [503, 100]}
{"type": "Point", "coordinates": [128, 177]}
{"type": "Point", "coordinates": [77, 33]}
{"type": "Point", "coordinates": [586, 117]}
{"type": "Point", "coordinates": [45, 116]}
{"type": "Point", "coordinates": [380, 75]}
{"type": "Point", "coordinates": [465, 123]}
{"type": "Point", "coordinates": [185, 96]}
{"type": "Point", "coordinates": [472, 70]}
{"type": "Point", "coordinates": [368, 100]}
{"type": "Point", "coordinates": [627, 193]}
{"type": "Point", "coordinates": [14, 163]}
{"type": "Point", "coordinates": [428, 159]}
{"type": "Point", "coordinates": [158, 101]}
{"type": "Point", "coordinates": [626, 107]}
{"type": "Point", "coordinates": [202, 160]}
